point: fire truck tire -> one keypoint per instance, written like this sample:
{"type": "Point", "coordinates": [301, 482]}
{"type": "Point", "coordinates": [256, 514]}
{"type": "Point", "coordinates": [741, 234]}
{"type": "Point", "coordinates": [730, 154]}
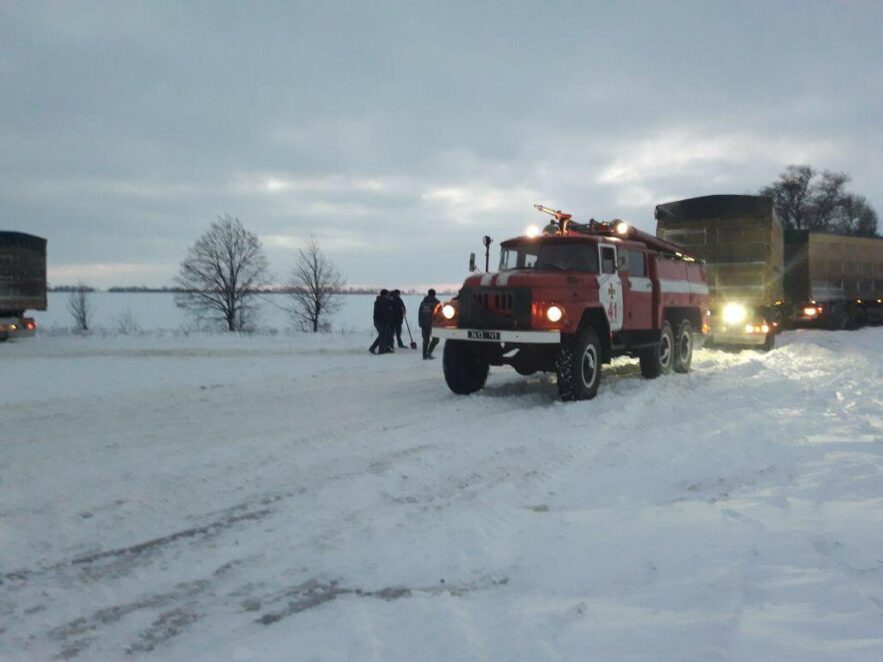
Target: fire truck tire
{"type": "Point", "coordinates": [683, 347]}
{"type": "Point", "coordinates": [465, 369]}
{"type": "Point", "coordinates": [658, 360]}
{"type": "Point", "coordinates": [579, 366]}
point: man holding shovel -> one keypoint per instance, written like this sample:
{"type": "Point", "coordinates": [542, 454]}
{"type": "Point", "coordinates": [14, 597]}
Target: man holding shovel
{"type": "Point", "coordinates": [399, 318]}
{"type": "Point", "coordinates": [424, 318]}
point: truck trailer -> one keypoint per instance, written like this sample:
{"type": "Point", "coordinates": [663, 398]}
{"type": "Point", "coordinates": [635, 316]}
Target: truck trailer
{"type": "Point", "coordinates": [834, 281]}
{"type": "Point", "coordinates": [763, 278]}
{"type": "Point", "coordinates": [22, 282]}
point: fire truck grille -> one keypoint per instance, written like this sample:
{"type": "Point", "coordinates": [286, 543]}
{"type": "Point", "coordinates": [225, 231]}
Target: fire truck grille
{"type": "Point", "coordinates": [486, 308]}
{"type": "Point", "coordinates": [498, 302]}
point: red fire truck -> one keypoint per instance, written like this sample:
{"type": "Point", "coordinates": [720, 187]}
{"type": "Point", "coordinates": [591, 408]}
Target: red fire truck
{"type": "Point", "coordinates": [571, 298]}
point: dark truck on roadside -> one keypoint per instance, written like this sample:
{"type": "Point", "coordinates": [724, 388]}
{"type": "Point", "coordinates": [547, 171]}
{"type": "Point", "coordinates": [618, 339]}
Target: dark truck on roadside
{"type": "Point", "coordinates": [763, 278]}
{"type": "Point", "coordinates": [22, 282]}
{"type": "Point", "coordinates": [570, 299]}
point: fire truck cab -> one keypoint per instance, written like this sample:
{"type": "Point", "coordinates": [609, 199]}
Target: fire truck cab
{"type": "Point", "coordinates": [571, 299]}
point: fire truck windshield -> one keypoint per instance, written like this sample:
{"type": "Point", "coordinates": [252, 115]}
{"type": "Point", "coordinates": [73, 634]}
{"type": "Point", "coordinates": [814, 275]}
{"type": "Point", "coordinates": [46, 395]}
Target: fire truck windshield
{"type": "Point", "coordinates": [577, 257]}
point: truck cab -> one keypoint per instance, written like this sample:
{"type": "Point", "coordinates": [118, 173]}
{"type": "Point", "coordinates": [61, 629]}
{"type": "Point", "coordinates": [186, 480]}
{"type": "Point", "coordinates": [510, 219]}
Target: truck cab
{"type": "Point", "coordinates": [570, 300]}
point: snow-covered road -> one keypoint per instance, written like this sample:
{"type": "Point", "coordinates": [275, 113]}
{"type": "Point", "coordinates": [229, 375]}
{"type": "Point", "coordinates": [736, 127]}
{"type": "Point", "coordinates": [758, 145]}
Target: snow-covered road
{"type": "Point", "coordinates": [242, 498]}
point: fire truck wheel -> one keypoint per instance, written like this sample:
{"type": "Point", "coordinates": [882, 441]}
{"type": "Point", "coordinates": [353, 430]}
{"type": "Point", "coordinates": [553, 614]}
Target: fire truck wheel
{"type": "Point", "coordinates": [658, 360]}
{"type": "Point", "coordinates": [683, 347]}
{"type": "Point", "coordinates": [579, 366]}
{"type": "Point", "coordinates": [465, 369]}
{"type": "Point", "coordinates": [769, 342]}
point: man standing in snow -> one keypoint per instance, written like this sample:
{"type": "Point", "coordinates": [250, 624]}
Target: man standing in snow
{"type": "Point", "coordinates": [380, 323]}
{"type": "Point", "coordinates": [389, 321]}
{"type": "Point", "coordinates": [399, 317]}
{"type": "Point", "coordinates": [424, 318]}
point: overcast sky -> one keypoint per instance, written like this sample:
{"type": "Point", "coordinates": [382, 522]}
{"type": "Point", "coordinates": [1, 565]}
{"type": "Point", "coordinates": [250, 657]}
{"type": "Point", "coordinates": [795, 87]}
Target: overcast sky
{"type": "Point", "coordinates": [400, 133]}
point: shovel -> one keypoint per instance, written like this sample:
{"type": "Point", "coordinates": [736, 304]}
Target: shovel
{"type": "Point", "coordinates": [413, 344]}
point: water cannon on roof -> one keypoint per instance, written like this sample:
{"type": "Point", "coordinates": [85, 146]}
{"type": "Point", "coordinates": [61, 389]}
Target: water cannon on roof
{"type": "Point", "coordinates": [563, 224]}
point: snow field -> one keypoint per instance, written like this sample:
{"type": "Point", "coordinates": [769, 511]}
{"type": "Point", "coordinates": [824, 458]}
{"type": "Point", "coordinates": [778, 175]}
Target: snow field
{"type": "Point", "coordinates": [292, 497]}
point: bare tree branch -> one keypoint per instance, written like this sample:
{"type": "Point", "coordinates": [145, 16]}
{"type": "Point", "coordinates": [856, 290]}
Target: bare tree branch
{"type": "Point", "coordinates": [220, 273]}
{"type": "Point", "coordinates": [80, 307]}
{"type": "Point", "coordinates": [313, 284]}
{"type": "Point", "coordinates": [808, 200]}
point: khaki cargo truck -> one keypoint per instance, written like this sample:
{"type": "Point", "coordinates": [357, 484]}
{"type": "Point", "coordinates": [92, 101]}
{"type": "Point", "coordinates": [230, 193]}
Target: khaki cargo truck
{"type": "Point", "coordinates": [762, 278]}
{"type": "Point", "coordinates": [833, 280]}
{"type": "Point", "coordinates": [22, 282]}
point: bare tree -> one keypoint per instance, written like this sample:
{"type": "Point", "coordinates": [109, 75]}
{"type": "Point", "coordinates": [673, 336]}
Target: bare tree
{"type": "Point", "coordinates": [791, 195]}
{"type": "Point", "coordinates": [313, 286]}
{"type": "Point", "coordinates": [855, 216]}
{"type": "Point", "coordinates": [218, 277]}
{"type": "Point", "coordinates": [80, 307]}
{"type": "Point", "coordinates": [806, 199]}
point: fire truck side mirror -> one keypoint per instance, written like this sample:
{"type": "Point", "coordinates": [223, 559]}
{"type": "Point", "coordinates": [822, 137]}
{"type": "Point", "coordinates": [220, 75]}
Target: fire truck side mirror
{"type": "Point", "coordinates": [472, 266]}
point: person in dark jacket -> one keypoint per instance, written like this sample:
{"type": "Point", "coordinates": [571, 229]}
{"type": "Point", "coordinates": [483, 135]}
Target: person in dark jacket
{"type": "Point", "coordinates": [424, 318]}
{"type": "Point", "coordinates": [399, 316]}
{"type": "Point", "coordinates": [388, 320]}
{"type": "Point", "coordinates": [379, 343]}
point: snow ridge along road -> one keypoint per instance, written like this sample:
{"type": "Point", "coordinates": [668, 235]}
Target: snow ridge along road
{"type": "Point", "coordinates": [252, 497]}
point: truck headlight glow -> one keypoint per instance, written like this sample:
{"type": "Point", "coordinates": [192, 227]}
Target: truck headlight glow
{"type": "Point", "coordinates": [810, 311]}
{"type": "Point", "coordinates": [448, 311]}
{"type": "Point", "coordinates": [735, 313]}
{"type": "Point", "coordinates": [622, 227]}
{"type": "Point", "coordinates": [532, 231]}
{"type": "Point", "coordinates": [554, 313]}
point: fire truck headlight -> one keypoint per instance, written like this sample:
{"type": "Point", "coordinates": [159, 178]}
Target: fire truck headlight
{"type": "Point", "coordinates": [810, 311]}
{"type": "Point", "coordinates": [448, 311]}
{"type": "Point", "coordinates": [554, 313]}
{"type": "Point", "coordinates": [735, 313]}
{"type": "Point", "coordinates": [532, 231]}
{"type": "Point", "coordinates": [622, 228]}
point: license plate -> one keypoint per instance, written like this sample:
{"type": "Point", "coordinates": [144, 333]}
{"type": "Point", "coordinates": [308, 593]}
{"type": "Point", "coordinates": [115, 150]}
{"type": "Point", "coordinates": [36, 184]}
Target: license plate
{"type": "Point", "coordinates": [484, 335]}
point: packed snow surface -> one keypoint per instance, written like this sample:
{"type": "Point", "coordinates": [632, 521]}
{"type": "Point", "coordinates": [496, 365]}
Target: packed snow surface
{"type": "Point", "coordinates": [291, 497]}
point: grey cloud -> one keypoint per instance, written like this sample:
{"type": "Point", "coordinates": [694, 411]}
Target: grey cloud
{"type": "Point", "coordinates": [399, 133]}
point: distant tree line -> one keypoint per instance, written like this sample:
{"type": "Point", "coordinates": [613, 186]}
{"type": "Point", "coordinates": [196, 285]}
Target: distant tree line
{"type": "Point", "coordinates": [70, 288]}
{"type": "Point", "coordinates": [808, 199]}
{"type": "Point", "coordinates": [269, 289]}
{"type": "Point", "coordinates": [140, 288]}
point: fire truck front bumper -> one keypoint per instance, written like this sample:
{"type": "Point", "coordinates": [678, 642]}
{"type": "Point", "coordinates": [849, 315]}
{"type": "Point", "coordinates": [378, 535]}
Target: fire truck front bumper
{"type": "Point", "coordinates": [495, 336]}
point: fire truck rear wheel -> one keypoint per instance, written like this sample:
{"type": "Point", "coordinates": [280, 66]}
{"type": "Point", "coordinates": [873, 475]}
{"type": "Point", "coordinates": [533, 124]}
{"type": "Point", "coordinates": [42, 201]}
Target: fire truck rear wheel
{"type": "Point", "coordinates": [465, 368]}
{"type": "Point", "coordinates": [683, 347]}
{"type": "Point", "coordinates": [579, 366]}
{"type": "Point", "coordinates": [658, 360]}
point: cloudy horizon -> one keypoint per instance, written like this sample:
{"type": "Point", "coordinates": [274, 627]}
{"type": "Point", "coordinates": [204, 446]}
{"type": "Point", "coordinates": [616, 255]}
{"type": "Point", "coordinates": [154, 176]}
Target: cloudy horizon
{"type": "Point", "coordinates": [398, 134]}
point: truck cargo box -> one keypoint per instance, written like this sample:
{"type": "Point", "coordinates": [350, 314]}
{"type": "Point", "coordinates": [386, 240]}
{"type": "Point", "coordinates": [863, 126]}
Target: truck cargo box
{"type": "Point", "coordinates": [739, 237]}
{"type": "Point", "coordinates": [827, 267]}
{"type": "Point", "coordinates": [22, 273]}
